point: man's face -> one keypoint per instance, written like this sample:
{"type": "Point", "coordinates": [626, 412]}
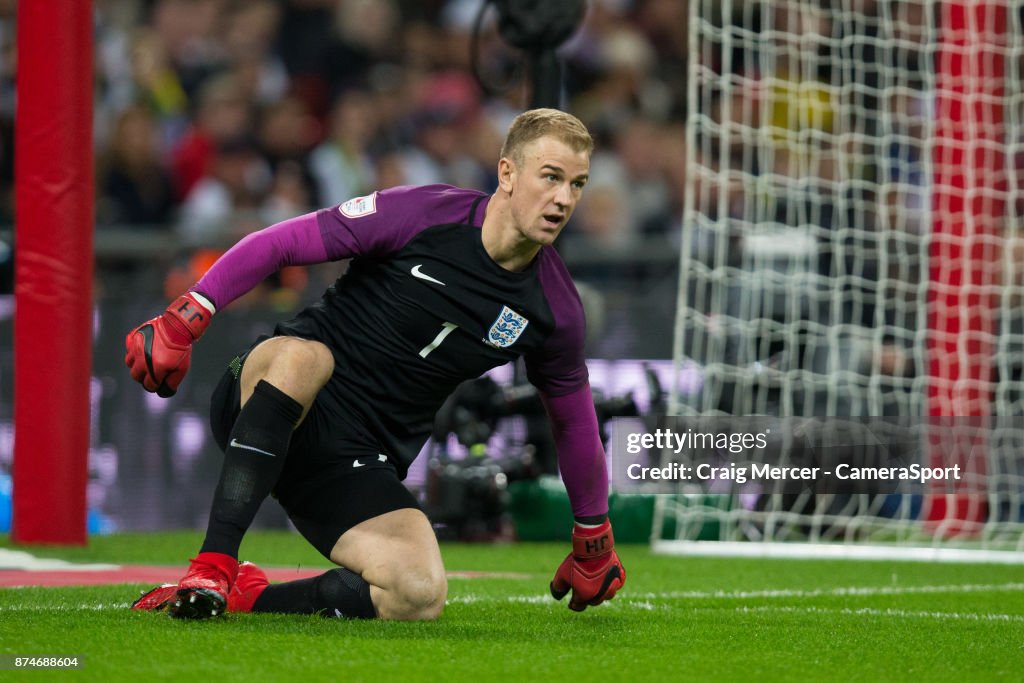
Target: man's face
{"type": "Point", "coordinates": [545, 188]}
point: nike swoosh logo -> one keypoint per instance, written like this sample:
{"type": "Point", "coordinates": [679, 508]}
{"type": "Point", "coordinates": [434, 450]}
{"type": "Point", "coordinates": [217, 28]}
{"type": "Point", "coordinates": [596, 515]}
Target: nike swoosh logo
{"type": "Point", "coordinates": [416, 272]}
{"type": "Point", "coordinates": [234, 444]}
{"type": "Point", "coordinates": [356, 463]}
{"type": "Point", "coordinates": [147, 347]}
{"type": "Point", "coordinates": [162, 389]}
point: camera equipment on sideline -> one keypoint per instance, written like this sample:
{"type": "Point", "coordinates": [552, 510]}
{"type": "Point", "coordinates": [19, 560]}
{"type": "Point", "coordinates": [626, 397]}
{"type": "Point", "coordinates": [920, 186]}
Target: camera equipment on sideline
{"type": "Point", "coordinates": [467, 494]}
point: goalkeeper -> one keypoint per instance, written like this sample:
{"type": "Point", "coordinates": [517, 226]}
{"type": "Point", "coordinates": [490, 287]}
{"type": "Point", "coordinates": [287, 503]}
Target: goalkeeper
{"type": "Point", "coordinates": [328, 413]}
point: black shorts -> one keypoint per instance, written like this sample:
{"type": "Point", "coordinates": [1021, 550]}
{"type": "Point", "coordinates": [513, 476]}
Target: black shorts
{"type": "Point", "coordinates": [333, 476]}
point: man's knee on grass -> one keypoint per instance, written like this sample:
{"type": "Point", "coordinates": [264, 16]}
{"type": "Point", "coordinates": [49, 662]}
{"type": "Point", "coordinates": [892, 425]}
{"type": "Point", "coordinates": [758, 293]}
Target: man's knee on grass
{"type": "Point", "coordinates": [415, 596]}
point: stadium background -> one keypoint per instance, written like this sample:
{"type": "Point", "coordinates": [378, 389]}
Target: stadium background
{"type": "Point", "coordinates": [801, 141]}
{"type": "Point", "coordinates": [627, 75]}
{"type": "Point", "coordinates": [214, 118]}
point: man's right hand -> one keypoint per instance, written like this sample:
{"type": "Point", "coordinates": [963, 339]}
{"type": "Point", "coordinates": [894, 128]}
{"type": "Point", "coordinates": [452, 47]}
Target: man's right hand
{"type": "Point", "coordinates": [159, 350]}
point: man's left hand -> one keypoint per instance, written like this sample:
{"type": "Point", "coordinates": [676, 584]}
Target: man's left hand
{"type": "Point", "coordinates": [592, 571]}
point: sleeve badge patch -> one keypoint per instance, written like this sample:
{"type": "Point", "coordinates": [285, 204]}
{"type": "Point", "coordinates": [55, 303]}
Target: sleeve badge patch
{"type": "Point", "coordinates": [359, 206]}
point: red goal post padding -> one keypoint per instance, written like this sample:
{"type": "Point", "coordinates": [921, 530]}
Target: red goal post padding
{"type": "Point", "coordinates": [969, 201]}
{"type": "Point", "coordinates": [53, 270]}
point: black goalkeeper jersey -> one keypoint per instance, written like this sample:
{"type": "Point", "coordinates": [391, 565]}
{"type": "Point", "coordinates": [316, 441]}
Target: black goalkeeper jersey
{"type": "Point", "coordinates": [423, 308]}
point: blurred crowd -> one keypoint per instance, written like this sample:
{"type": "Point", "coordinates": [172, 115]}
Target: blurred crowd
{"type": "Point", "coordinates": [215, 118]}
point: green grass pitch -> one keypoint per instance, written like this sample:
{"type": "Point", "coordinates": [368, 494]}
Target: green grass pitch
{"type": "Point", "coordinates": [677, 619]}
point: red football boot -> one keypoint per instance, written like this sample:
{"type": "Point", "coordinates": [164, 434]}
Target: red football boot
{"type": "Point", "coordinates": [248, 586]}
{"type": "Point", "coordinates": [157, 599]}
{"type": "Point", "coordinates": [203, 591]}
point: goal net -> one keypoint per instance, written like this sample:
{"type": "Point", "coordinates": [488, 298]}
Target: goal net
{"type": "Point", "coordinates": [852, 246]}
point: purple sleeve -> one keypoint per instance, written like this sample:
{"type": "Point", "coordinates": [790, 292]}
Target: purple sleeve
{"type": "Point", "coordinates": [294, 242]}
{"type": "Point", "coordinates": [377, 224]}
{"type": "Point", "coordinates": [559, 366]}
{"type": "Point", "coordinates": [581, 459]}
{"type": "Point", "coordinates": [383, 222]}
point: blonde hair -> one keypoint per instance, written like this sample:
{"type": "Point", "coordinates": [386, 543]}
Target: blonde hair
{"type": "Point", "coordinates": [537, 123]}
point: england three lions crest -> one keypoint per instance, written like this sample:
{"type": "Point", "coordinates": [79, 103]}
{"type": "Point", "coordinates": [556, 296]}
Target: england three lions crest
{"type": "Point", "coordinates": [506, 329]}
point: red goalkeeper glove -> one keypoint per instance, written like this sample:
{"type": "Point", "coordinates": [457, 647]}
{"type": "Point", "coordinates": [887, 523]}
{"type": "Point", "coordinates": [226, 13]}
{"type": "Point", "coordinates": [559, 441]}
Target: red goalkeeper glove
{"type": "Point", "coordinates": [160, 350]}
{"type": "Point", "coordinates": [592, 570]}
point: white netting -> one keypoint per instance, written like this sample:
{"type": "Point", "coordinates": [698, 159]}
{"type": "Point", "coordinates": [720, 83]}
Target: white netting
{"type": "Point", "coordinates": [851, 243]}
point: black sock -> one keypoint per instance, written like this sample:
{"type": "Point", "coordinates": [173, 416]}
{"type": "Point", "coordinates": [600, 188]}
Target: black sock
{"type": "Point", "coordinates": [337, 593]}
{"type": "Point", "coordinates": [252, 463]}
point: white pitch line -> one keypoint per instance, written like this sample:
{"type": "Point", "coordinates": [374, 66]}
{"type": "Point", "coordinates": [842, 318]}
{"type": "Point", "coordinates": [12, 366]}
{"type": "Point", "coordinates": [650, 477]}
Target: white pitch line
{"type": "Point", "coordinates": [901, 613]}
{"type": "Point", "coordinates": [840, 591]}
{"type": "Point", "coordinates": [639, 605]}
{"type": "Point", "coordinates": [66, 608]}
{"type": "Point", "coordinates": [19, 559]}
{"type": "Point", "coordinates": [648, 601]}
{"type": "Point", "coordinates": [841, 551]}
